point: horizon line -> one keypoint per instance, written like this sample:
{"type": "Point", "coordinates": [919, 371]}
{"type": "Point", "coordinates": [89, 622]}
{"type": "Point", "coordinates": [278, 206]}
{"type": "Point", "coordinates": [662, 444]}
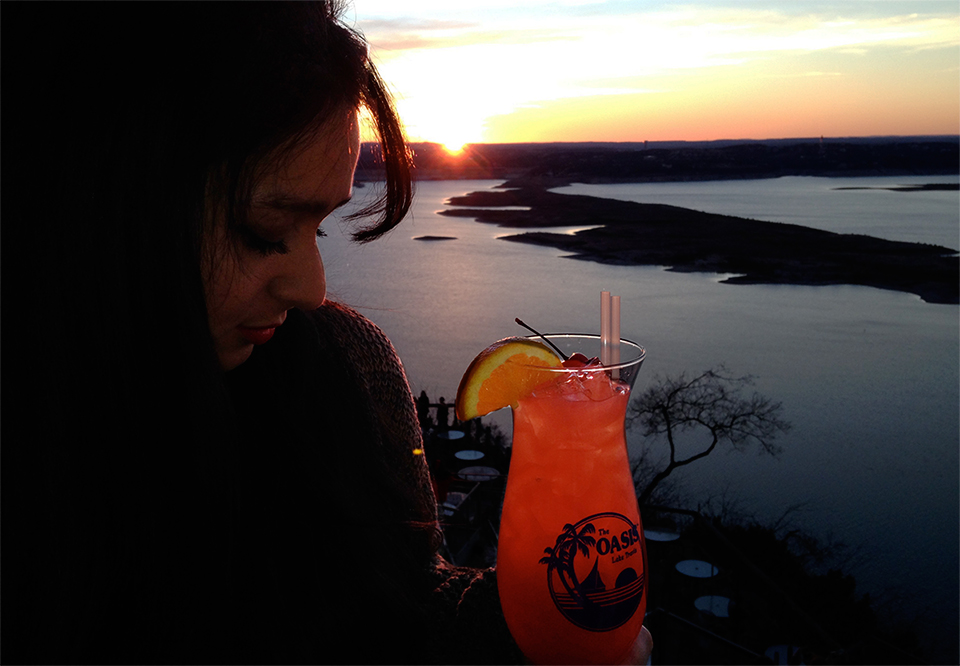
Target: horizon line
{"type": "Point", "coordinates": [824, 138]}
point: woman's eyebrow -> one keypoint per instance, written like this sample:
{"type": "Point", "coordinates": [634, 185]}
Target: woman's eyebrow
{"type": "Point", "coordinates": [299, 205]}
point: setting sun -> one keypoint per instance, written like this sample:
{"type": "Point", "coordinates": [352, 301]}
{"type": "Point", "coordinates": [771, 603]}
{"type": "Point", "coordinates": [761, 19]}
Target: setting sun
{"type": "Point", "coordinates": [448, 127]}
{"type": "Point", "coordinates": [454, 147]}
{"type": "Point", "coordinates": [432, 115]}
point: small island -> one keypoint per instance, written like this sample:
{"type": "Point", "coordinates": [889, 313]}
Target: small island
{"type": "Point", "coordinates": [754, 252]}
{"type": "Point", "coordinates": [434, 238]}
{"type": "Point", "coordinates": [926, 187]}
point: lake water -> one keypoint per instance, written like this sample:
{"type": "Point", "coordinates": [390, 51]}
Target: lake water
{"type": "Point", "coordinates": [869, 378]}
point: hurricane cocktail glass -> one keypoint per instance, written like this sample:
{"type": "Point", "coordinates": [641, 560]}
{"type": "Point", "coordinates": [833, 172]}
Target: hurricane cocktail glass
{"type": "Point", "coordinates": [571, 561]}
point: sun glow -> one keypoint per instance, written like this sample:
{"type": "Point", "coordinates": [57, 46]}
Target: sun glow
{"type": "Point", "coordinates": [454, 147]}
{"type": "Point", "coordinates": [464, 75]}
{"type": "Point", "coordinates": [450, 131]}
{"type": "Point", "coordinates": [433, 118]}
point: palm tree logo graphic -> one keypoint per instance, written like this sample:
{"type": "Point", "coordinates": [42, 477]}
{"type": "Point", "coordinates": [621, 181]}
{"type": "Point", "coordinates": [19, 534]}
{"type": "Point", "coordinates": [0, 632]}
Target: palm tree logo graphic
{"type": "Point", "coordinates": [587, 602]}
{"type": "Point", "coordinates": [559, 558]}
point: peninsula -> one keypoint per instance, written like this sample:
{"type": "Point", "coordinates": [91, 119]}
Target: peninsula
{"type": "Point", "coordinates": [754, 252]}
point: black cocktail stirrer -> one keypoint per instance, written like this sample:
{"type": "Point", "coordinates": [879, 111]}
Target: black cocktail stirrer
{"type": "Point", "coordinates": [542, 337]}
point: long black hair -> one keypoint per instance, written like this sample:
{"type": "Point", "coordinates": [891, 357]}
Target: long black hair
{"type": "Point", "coordinates": [120, 121]}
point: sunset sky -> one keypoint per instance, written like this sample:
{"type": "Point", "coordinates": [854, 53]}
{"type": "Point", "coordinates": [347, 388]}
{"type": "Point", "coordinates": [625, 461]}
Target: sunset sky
{"type": "Point", "coordinates": [503, 71]}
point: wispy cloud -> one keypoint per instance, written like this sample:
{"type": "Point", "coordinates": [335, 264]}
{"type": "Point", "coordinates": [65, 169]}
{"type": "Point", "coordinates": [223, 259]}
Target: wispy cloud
{"type": "Point", "coordinates": [478, 61]}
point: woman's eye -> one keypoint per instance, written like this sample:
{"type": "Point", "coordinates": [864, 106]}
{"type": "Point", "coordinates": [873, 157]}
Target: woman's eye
{"type": "Point", "coordinates": [262, 245]}
{"type": "Point", "coordinates": [321, 233]}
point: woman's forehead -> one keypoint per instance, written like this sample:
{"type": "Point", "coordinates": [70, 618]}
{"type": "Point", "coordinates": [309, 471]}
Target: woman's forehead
{"type": "Point", "coordinates": [322, 162]}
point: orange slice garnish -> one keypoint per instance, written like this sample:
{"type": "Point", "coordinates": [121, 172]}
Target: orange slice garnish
{"type": "Point", "coordinates": [501, 374]}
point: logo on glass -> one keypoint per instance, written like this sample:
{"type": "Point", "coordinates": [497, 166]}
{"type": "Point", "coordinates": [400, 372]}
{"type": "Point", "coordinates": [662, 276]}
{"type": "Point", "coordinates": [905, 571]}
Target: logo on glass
{"type": "Point", "coordinates": [589, 571]}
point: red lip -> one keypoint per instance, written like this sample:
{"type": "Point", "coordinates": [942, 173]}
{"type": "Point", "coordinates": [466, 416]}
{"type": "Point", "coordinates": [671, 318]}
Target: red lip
{"type": "Point", "coordinates": [257, 335]}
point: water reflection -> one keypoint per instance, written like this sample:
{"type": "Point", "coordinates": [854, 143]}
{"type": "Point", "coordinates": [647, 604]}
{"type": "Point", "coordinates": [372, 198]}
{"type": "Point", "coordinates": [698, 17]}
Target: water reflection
{"type": "Point", "coordinates": [870, 379]}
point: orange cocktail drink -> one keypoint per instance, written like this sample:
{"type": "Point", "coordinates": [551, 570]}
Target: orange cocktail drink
{"type": "Point", "coordinates": [571, 567]}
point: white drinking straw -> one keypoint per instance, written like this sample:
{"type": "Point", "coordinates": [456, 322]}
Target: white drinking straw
{"type": "Point", "coordinates": [605, 328]}
{"type": "Point", "coordinates": [615, 335]}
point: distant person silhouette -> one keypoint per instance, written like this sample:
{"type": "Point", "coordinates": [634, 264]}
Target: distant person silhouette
{"type": "Point", "coordinates": [443, 414]}
{"type": "Point", "coordinates": [423, 410]}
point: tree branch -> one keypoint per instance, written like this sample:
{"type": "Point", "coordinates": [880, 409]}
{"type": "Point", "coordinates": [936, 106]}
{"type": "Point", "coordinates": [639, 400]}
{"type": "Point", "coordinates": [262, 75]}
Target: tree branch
{"type": "Point", "coordinates": [712, 400]}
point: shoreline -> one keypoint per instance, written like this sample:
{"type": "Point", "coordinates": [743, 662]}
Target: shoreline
{"type": "Point", "coordinates": [685, 240]}
{"type": "Point", "coordinates": [556, 164]}
{"type": "Point", "coordinates": [925, 187]}
{"type": "Point", "coordinates": [552, 182]}
{"type": "Point", "coordinates": [517, 180]}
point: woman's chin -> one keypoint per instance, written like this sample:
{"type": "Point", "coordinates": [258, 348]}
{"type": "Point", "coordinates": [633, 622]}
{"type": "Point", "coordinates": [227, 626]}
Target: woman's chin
{"type": "Point", "coordinates": [235, 356]}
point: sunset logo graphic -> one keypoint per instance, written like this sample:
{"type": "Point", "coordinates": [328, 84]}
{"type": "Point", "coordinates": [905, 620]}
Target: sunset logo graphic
{"type": "Point", "coordinates": [590, 571]}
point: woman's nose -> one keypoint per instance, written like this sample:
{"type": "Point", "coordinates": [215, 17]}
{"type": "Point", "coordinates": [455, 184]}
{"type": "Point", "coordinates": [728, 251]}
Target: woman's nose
{"type": "Point", "coordinates": [303, 283]}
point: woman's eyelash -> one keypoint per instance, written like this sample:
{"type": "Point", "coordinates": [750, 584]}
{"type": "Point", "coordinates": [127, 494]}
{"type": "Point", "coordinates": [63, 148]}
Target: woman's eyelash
{"type": "Point", "coordinates": [268, 247]}
{"type": "Point", "coordinates": [262, 245]}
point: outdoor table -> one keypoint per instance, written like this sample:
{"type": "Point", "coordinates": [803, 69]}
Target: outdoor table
{"type": "Point", "coordinates": [468, 454]}
{"type": "Point", "coordinates": [658, 535]}
{"type": "Point", "coordinates": [714, 605]}
{"type": "Point", "coordinates": [478, 473]}
{"type": "Point", "coordinates": [697, 569]}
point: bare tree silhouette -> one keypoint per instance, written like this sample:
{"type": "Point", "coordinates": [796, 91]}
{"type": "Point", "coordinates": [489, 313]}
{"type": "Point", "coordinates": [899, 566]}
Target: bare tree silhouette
{"type": "Point", "coordinates": [714, 401]}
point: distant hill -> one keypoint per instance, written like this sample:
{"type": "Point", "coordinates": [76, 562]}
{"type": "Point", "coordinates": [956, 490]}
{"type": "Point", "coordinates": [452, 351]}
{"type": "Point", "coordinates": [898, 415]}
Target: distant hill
{"type": "Point", "coordinates": [552, 164]}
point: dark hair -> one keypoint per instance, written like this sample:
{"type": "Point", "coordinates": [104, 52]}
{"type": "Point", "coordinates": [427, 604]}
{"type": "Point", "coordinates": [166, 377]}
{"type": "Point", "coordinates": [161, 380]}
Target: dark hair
{"type": "Point", "coordinates": [118, 119]}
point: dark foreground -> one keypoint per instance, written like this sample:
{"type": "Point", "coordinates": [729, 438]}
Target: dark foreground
{"type": "Point", "coordinates": [754, 252]}
{"type": "Point", "coordinates": [768, 599]}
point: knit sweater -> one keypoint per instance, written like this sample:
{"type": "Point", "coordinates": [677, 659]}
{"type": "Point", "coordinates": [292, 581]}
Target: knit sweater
{"type": "Point", "coordinates": [332, 447]}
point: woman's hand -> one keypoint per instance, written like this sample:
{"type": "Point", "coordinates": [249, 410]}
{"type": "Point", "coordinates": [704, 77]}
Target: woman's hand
{"type": "Point", "coordinates": [640, 652]}
{"type": "Point", "coordinates": [638, 655]}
